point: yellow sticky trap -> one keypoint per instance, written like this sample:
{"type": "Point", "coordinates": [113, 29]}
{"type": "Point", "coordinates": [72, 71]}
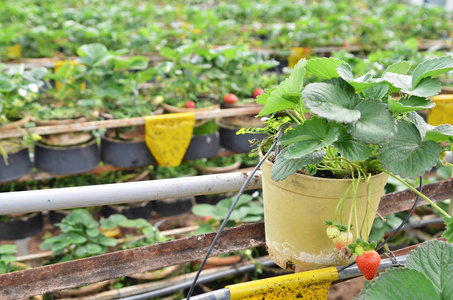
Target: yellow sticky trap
{"type": "Point", "coordinates": [442, 113]}
{"type": "Point", "coordinates": [14, 51]}
{"type": "Point", "coordinates": [297, 53]}
{"type": "Point", "coordinates": [69, 79]}
{"type": "Point", "coordinates": [304, 285]}
{"type": "Point", "coordinates": [168, 136]}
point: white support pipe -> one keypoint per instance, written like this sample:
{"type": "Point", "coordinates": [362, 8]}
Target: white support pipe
{"type": "Point", "coordinates": [129, 192]}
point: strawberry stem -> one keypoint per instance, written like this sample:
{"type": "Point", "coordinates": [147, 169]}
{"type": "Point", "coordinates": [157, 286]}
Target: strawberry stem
{"type": "Point", "coordinates": [341, 202]}
{"type": "Point", "coordinates": [354, 203]}
{"type": "Point", "coordinates": [420, 194]}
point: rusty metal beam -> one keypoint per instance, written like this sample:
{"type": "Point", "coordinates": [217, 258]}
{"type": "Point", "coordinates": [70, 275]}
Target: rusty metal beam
{"type": "Point", "coordinates": [41, 280]}
{"type": "Point", "coordinates": [44, 130]}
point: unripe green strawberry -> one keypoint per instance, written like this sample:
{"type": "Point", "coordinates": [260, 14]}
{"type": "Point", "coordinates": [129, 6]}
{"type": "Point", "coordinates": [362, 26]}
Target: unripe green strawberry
{"type": "Point", "coordinates": [332, 231]}
{"type": "Point", "coordinates": [343, 239]}
{"type": "Point", "coordinates": [368, 263]}
{"type": "Point", "coordinates": [359, 250]}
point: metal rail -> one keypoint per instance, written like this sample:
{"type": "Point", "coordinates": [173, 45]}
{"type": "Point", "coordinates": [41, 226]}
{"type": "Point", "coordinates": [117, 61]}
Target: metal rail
{"type": "Point", "coordinates": [128, 192]}
{"type": "Point", "coordinates": [83, 126]}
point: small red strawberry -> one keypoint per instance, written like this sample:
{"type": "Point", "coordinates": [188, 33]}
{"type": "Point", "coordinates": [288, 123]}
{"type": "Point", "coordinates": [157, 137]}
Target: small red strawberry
{"type": "Point", "coordinates": [230, 98]}
{"type": "Point", "coordinates": [189, 104]}
{"type": "Point", "coordinates": [257, 92]}
{"type": "Point", "coordinates": [343, 239]}
{"type": "Point", "coordinates": [368, 263]}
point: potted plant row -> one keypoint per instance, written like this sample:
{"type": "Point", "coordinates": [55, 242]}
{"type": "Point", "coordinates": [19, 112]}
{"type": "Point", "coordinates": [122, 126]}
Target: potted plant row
{"type": "Point", "coordinates": [19, 90]}
{"type": "Point", "coordinates": [331, 168]}
{"type": "Point", "coordinates": [82, 236]}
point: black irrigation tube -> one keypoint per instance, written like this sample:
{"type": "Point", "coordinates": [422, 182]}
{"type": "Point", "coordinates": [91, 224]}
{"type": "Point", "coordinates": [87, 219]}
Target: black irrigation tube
{"type": "Point", "coordinates": [280, 133]}
{"type": "Point", "coordinates": [420, 189]}
{"type": "Point", "coordinates": [194, 283]}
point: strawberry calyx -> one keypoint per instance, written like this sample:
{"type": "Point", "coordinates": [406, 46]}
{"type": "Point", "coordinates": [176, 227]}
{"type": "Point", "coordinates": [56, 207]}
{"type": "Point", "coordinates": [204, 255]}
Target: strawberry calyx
{"type": "Point", "coordinates": [360, 246]}
{"type": "Point", "coordinates": [340, 227]}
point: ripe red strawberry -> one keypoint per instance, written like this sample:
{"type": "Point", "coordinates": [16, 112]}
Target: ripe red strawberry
{"type": "Point", "coordinates": [343, 239]}
{"type": "Point", "coordinates": [332, 231]}
{"type": "Point", "coordinates": [257, 92]}
{"type": "Point", "coordinates": [230, 98]}
{"type": "Point", "coordinates": [368, 263]}
{"type": "Point", "coordinates": [189, 104]}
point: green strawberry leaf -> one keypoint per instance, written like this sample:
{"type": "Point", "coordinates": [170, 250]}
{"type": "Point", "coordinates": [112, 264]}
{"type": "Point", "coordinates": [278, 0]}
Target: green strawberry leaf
{"type": "Point", "coordinates": [325, 68]}
{"type": "Point", "coordinates": [399, 81]}
{"type": "Point", "coordinates": [427, 87]}
{"type": "Point", "coordinates": [203, 210]}
{"type": "Point", "coordinates": [377, 92]}
{"type": "Point", "coordinates": [92, 232]}
{"type": "Point", "coordinates": [138, 63]}
{"type": "Point", "coordinates": [409, 103]}
{"type": "Point", "coordinates": [359, 84]}
{"type": "Point", "coordinates": [401, 68]}
{"type": "Point", "coordinates": [93, 249]}
{"type": "Point", "coordinates": [418, 121]}
{"type": "Point", "coordinates": [448, 234]}
{"type": "Point", "coordinates": [441, 133]}
{"type": "Point", "coordinates": [341, 83]}
{"type": "Point", "coordinates": [285, 167]}
{"type": "Point", "coordinates": [310, 136]}
{"type": "Point", "coordinates": [93, 54]}
{"type": "Point", "coordinates": [376, 123]}
{"type": "Point", "coordinates": [431, 68]}
{"type": "Point", "coordinates": [400, 284]}
{"type": "Point", "coordinates": [292, 97]}
{"type": "Point", "coordinates": [106, 241]}
{"type": "Point", "coordinates": [77, 238]}
{"type": "Point", "coordinates": [351, 148]}
{"type": "Point", "coordinates": [5, 86]}
{"type": "Point", "coordinates": [293, 84]}
{"type": "Point", "coordinates": [406, 154]}
{"type": "Point", "coordinates": [435, 260]}
{"type": "Point", "coordinates": [331, 102]}
{"type": "Point", "coordinates": [8, 249]}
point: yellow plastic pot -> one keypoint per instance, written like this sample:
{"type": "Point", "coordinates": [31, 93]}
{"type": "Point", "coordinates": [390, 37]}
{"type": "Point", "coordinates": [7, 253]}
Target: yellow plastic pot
{"type": "Point", "coordinates": [442, 113]}
{"type": "Point", "coordinates": [295, 210]}
{"type": "Point", "coordinates": [297, 53]}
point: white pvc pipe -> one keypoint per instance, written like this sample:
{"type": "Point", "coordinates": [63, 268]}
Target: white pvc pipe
{"type": "Point", "coordinates": [129, 192]}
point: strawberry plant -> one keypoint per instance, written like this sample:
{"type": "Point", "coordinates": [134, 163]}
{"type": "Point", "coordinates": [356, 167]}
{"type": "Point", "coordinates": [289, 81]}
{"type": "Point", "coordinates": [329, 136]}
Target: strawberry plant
{"type": "Point", "coordinates": [348, 127]}
{"type": "Point", "coordinates": [247, 209]}
{"type": "Point", "coordinates": [80, 238]}
{"type": "Point", "coordinates": [6, 258]}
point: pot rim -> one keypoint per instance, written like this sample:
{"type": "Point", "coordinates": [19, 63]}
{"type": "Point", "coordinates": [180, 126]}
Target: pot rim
{"type": "Point", "coordinates": [84, 145]}
{"type": "Point", "coordinates": [309, 177]}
